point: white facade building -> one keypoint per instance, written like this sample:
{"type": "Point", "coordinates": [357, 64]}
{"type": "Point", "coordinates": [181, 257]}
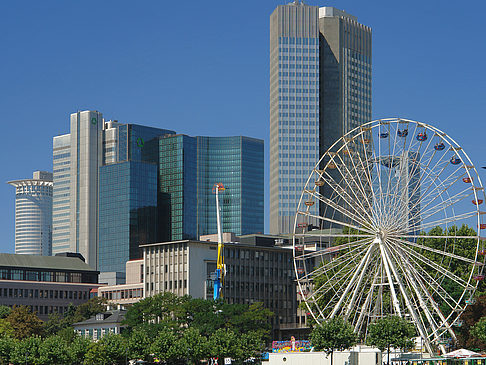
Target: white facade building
{"type": "Point", "coordinates": [33, 214]}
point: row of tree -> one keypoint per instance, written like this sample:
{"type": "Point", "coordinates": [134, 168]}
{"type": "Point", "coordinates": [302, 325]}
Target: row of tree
{"type": "Point", "coordinates": [173, 329]}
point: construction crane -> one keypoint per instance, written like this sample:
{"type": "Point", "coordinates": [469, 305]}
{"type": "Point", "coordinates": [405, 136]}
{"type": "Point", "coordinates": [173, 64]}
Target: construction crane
{"type": "Point", "coordinates": [220, 266]}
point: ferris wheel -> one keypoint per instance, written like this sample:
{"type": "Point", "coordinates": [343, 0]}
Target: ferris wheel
{"type": "Point", "coordinates": [390, 223]}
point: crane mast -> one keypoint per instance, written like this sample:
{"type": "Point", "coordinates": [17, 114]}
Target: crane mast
{"type": "Point", "coordinates": [220, 267]}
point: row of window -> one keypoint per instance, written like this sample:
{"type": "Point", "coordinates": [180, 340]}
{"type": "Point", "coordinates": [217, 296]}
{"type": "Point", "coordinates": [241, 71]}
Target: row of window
{"type": "Point", "coordinates": [122, 294]}
{"type": "Point", "coordinates": [43, 294]}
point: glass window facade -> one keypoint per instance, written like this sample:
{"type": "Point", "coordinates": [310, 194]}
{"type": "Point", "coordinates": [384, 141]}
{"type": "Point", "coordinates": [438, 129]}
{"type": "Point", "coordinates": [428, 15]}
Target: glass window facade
{"type": "Point", "coordinates": [177, 185]}
{"type": "Point", "coordinates": [237, 163]}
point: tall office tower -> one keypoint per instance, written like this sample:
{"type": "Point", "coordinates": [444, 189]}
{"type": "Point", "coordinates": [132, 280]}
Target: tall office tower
{"type": "Point", "coordinates": [189, 169]}
{"type": "Point", "coordinates": [76, 160]}
{"type": "Point", "coordinates": [128, 195]}
{"type": "Point", "coordinates": [178, 185]}
{"type": "Point", "coordinates": [237, 163]}
{"type": "Point", "coordinates": [33, 214]}
{"type": "Point", "coordinates": [320, 88]}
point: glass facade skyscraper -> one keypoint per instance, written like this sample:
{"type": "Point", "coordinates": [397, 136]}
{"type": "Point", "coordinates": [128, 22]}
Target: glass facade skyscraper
{"type": "Point", "coordinates": [178, 185]}
{"type": "Point", "coordinates": [150, 185]}
{"type": "Point", "coordinates": [237, 163]}
{"type": "Point", "coordinates": [127, 212]}
{"type": "Point", "coordinates": [33, 214]}
{"type": "Point", "coordinates": [320, 88]}
{"type": "Point", "coordinates": [79, 160]}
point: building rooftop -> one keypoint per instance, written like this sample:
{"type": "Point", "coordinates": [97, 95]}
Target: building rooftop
{"type": "Point", "coordinates": [44, 262]}
{"type": "Point", "coordinates": [112, 316]}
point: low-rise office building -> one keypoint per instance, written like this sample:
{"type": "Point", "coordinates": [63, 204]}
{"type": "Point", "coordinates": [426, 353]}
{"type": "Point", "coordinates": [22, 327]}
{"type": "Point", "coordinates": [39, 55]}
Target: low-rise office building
{"type": "Point", "coordinates": [128, 293]}
{"type": "Point", "coordinates": [257, 271]}
{"type": "Point", "coordinates": [45, 284]}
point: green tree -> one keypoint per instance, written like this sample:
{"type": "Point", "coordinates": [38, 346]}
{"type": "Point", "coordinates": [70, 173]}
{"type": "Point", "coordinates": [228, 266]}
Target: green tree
{"type": "Point", "coordinates": [478, 331]}
{"type": "Point", "coordinates": [4, 311]}
{"type": "Point", "coordinates": [77, 350]}
{"type": "Point", "coordinates": [333, 334]}
{"type": "Point", "coordinates": [192, 346]}
{"type": "Point", "coordinates": [391, 331]}
{"type": "Point", "coordinates": [26, 351]}
{"type": "Point", "coordinates": [24, 322]}
{"type": "Point", "coordinates": [163, 343]}
{"type": "Point", "coordinates": [111, 349]}
{"type": "Point", "coordinates": [54, 350]}
{"type": "Point", "coordinates": [139, 344]}
{"type": "Point", "coordinates": [7, 345]}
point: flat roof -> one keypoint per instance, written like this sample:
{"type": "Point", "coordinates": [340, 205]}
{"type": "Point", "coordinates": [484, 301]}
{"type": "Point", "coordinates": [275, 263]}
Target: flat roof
{"type": "Point", "coordinates": [44, 262]}
{"type": "Point", "coordinates": [227, 244]}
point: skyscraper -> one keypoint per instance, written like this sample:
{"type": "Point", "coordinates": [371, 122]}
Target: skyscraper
{"type": "Point", "coordinates": [33, 214]}
{"type": "Point", "coordinates": [238, 163]}
{"type": "Point", "coordinates": [83, 160]}
{"type": "Point", "coordinates": [320, 88]}
{"type": "Point", "coordinates": [118, 185]}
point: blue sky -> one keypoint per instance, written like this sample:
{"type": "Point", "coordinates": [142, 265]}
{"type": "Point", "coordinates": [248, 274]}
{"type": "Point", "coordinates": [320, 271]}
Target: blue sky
{"type": "Point", "coordinates": [201, 68]}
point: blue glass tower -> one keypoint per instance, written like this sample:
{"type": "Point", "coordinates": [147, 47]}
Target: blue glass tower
{"type": "Point", "coordinates": [128, 200]}
{"type": "Point", "coordinates": [237, 163]}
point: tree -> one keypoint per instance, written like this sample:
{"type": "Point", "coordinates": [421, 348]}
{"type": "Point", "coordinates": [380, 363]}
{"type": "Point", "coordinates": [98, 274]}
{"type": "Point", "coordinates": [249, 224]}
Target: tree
{"type": "Point", "coordinates": [391, 331]}
{"type": "Point", "coordinates": [24, 322]}
{"type": "Point", "coordinates": [139, 345]}
{"type": "Point", "coordinates": [77, 350]}
{"type": "Point", "coordinates": [4, 311]}
{"type": "Point", "coordinates": [7, 344]}
{"type": "Point", "coordinates": [163, 343]}
{"type": "Point", "coordinates": [26, 351]}
{"type": "Point", "coordinates": [54, 350]}
{"type": "Point", "coordinates": [111, 349]}
{"type": "Point", "coordinates": [333, 334]}
{"type": "Point", "coordinates": [478, 331]}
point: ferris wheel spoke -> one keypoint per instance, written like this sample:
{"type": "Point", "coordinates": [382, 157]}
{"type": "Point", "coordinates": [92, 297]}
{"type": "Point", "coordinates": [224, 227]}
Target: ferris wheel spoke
{"type": "Point", "coordinates": [433, 265]}
{"type": "Point", "coordinates": [405, 296]}
{"type": "Point", "coordinates": [361, 171]}
{"type": "Point", "coordinates": [434, 284]}
{"type": "Point", "coordinates": [439, 252]}
{"type": "Point", "coordinates": [338, 263]}
{"type": "Point", "coordinates": [343, 194]}
{"type": "Point", "coordinates": [333, 249]}
{"type": "Point", "coordinates": [366, 304]}
{"type": "Point", "coordinates": [444, 204]}
{"type": "Point", "coordinates": [351, 184]}
{"type": "Point", "coordinates": [417, 281]}
{"type": "Point", "coordinates": [415, 285]}
{"type": "Point", "coordinates": [359, 288]}
{"type": "Point", "coordinates": [337, 207]}
{"type": "Point", "coordinates": [438, 189]}
{"type": "Point", "coordinates": [347, 258]}
{"type": "Point", "coordinates": [443, 221]}
{"type": "Point", "coordinates": [359, 270]}
{"type": "Point", "coordinates": [339, 223]}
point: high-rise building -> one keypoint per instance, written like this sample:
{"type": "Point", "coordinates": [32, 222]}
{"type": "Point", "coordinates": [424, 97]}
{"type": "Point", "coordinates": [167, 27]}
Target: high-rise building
{"type": "Point", "coordinates": [33, 214]}
{"type": "Point", "coordinates": [104, 177]}
{"type": "Point", "coordinates": [320, 88]}
{"type": "Point", "coordinates": [189, 169]}
{"type": "Point", "coordinates": [150, 185]}
{"type": "Point", "coordinates": [237, 163]}
{"type": "Point", "coordinates": [178, 185]}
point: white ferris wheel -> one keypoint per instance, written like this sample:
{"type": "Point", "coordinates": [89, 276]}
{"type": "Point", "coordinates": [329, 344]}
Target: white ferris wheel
{"type": "Point", "coordinates": [379, 230]}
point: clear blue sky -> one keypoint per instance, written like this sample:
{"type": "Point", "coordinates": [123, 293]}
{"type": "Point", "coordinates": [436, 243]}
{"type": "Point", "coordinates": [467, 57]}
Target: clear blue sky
{"type": "Point", "coordinates": [201, 68]}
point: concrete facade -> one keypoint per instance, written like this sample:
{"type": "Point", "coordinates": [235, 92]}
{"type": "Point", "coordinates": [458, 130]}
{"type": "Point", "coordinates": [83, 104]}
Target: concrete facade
{"type": "Point", "coordinates": [254, 274]}
{"type": "Point", "coordinates": [33, 214]}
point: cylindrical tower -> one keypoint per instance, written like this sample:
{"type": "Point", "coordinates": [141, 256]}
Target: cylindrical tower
{"type": "Point", "coordinates": [33, 214]}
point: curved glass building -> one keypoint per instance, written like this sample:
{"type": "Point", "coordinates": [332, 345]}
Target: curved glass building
{"type": "Point", "coordinates": [33, 214]}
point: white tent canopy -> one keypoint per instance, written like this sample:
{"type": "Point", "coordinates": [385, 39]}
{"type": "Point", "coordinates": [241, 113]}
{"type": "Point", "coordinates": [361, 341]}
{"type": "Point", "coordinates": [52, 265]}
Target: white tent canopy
{"type": "Point", "coordinates": [461, 353]}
